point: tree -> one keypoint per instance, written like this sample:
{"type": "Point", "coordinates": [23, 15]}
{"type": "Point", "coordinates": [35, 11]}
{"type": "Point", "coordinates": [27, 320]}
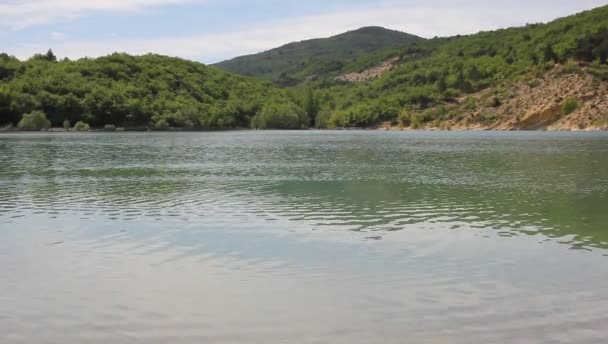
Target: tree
{"type": "Point", "coordinates": [6, 115]}
{"type": "Point", "coordinates": [592, 46]}
{"type": "Point", "coordinates": [280, 116]}
{"type": "Point", "coordinates": [34, 121]}
{"type": "Point", "coordinates": [442, 84]}
{"type": "Point", "coordinates": [50, 56]}
{"type": "Point", "coordinates": [549, 54]}
{"type": "Point", "coordinates": [311, 107]}
{"type": "Point", "coordinates": [81, 126]}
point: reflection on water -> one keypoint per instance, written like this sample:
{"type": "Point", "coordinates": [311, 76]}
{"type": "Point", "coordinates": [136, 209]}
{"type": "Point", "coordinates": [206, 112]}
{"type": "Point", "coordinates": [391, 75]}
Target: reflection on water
{"type": "Point", "coordinates": [313, 237]}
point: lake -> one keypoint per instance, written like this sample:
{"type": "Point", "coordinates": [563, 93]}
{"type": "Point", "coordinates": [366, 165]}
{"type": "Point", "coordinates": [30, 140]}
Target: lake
{"type": "Point", "coordinates": [304, 237]}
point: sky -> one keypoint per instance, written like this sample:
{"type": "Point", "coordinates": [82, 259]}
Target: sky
{"type": "Point", "coordinates": [213, 30]}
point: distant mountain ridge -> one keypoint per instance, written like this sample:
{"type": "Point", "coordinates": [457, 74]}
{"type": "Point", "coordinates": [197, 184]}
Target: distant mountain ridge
{"type": "Point", "coordinates": [295, 62]}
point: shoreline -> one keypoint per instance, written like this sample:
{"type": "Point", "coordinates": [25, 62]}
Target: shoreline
{"type": "Point", "coordinates": [386, 129]}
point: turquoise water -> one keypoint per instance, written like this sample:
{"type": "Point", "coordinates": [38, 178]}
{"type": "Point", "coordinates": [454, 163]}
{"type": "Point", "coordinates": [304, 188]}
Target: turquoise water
{"type": "Point", "coordinates": [307, 237]}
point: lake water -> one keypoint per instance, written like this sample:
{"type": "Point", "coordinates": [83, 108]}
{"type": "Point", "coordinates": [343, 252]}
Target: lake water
{"type": "Point", "coordinates": [304, 237]}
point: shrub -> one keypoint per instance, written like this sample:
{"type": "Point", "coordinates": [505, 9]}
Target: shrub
{"type": "Point", "coordinates": [161, 124]}
{"type": "Point", "coordinates": [493, 102]}
{"type": "Point", "coordinates": [187, 118]}
{"type": "Point", "coordinates": [81, 126]}
{"type": "Point", "coordinates": [109, 127]}
{"type": "Point", "coordinates": [488, 117]}
{"type": "Point", "coordinates": [322, 120]}
{"type": "Point", "coordinates": [34, 121]}
{"type": "Point", "coordinates": [280, 116]}
{"type": "Point", "coordinates": [569, 106]}
{"type": "Point", "coordinates": [338, 119]}
{"type": "Point", "coordinates": [571, 67]}
{"type": "Point", "coordinates": [470, 103]}
{"type": "Point", "coordinates": [66, 125]}
{"type": "Point", "coordinates": [404, 118]}
{"type": "Point", "coordinates": [416, 122]}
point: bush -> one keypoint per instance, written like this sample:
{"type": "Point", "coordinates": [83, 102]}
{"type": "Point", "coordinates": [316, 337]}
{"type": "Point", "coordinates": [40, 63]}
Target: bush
{"type": "Point", "coordinates": [187, 118]}
{"type": "Point", "coordinates": [416, 122]}
{"type": "Point", "coordinates": [109, 127]}
{"type": "Point", "coordinates": [493, 102]}
{"type": "Point", "coordinates": [34, 121]}
{"type": "Point", "coordinates": [280, 116]}
{"type": "Point", "coordinates": [569, 106]}
{"type": "Point", "coordinates": [404, 118]}
{"type": "Point", "coordinates": [470, 103]}
{"type": "Point", "coordinates": [66, 125]}
{"type": "Point", "coordinates": [489, 117]}
{"type": "Point", "coordinates": [161, 124]}
{"type": "Point", "coordinates": [81, 126]}
{"type": "Point", "coordinates": [322, 120]}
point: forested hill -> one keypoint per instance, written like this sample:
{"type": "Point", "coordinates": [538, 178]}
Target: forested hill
{"type": "Point", "coordinates": [295, 62]}
{"type": "Point", "coordinates": [541, 76]}
{"type": "Point", "coordinates": [148, 91]}
{"type": "Point", "coordinates": [552, 75]}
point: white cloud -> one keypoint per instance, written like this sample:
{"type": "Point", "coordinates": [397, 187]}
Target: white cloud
{"type": "Point", "coordinates": [428, 20]}
{"type": "Point", "coordinates": [19, 14]}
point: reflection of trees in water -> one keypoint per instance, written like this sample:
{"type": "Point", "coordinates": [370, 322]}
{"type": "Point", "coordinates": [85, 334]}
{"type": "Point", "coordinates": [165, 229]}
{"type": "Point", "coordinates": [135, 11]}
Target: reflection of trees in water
{"type": "Point", "coordinates": [557, 189]}
{"type": "Point", "coordinates": [558, 195]}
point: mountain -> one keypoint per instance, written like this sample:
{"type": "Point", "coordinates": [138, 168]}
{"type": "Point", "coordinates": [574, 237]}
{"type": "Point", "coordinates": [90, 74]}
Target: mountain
{"type": "Point", "coordinates": [295, 62]}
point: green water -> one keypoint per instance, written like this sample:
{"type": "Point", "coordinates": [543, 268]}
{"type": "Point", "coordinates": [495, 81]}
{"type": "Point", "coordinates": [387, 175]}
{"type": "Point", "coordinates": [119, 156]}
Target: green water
{"type": "Point", "coordinates": [308, 237]}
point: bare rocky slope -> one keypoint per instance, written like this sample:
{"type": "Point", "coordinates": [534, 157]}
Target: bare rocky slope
{"type": "Point", "coordinates": [564, 98]}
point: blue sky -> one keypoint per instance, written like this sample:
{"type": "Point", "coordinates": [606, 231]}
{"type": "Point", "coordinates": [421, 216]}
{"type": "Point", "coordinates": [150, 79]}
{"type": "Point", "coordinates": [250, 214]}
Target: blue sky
{"type": "Point", "coordinates": [213, 30]}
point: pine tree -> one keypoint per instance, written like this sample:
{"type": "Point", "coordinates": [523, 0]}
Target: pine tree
{"type": "Point", "coordinates": [50, 56]}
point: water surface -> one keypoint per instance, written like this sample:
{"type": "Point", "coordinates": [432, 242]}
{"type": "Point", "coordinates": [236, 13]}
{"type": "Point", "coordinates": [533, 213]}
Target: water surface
{"type": "Point", "coordinates": [307, 237]}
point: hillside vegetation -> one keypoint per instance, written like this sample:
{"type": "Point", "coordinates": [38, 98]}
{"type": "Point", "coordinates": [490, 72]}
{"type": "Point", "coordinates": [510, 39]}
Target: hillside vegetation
{"type": "Point", "coordinates": [148, 91]}
{"type": "Point", "coordinates": [541, 76]}
{"type": "Point", "coordinates": [438, 82]}
{"type": "Point", "coordinates": [296, 62]}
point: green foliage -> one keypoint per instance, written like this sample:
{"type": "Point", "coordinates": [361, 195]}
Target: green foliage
{"type": "Point", "coordinates": [81, 126]}
{"type": "Point", "coordinates": [429, 78]}
{"type": "Point", "coordinates": [6, 99]}
{"type": "Point", "coordinates": [34, 121]}
{"type": "Point", "coordinates": [405, 119]}
{"type": "Point", "coordinates": [593, 46]}
{"type": "Point", "coordinates": [416, 122]}
{"type": "Point", "coordinates": [470, 103]}
{"type": "Point", "coordinates": [280, 116]}
{"type": "Point", "coordinates": [549, 54]}
{"type": "Point", "coordinates": [311, 107]}
{"type": "Point", "coordinates": [131, 91]}
{"type": "Point", "coordinates": [161, 124]}
{"type": "Point", "coordinates": [338, 119]}
{"type": "Point", "coordinates": [442, 70]}
{"type": "Point", "coordinates": [67, 125]}
{"type": "Point", "coordinates": [569, 106]}
{"type": "Point", "coordinates": [294, 63]}
{"type": "Point", "coordinates": [488, 117]}
{"type": "Point", "coordinates": [322, 120]}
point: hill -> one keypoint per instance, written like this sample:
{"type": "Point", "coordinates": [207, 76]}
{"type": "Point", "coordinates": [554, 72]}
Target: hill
{"type": "Point", "coordinates": [478, 81]}
{"type": "Point", "coordinates": [296, 62]}
{"type": "Point", "coordinates": [133, 91]}
{"type": "Point", "coordinates": [541, 76]}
